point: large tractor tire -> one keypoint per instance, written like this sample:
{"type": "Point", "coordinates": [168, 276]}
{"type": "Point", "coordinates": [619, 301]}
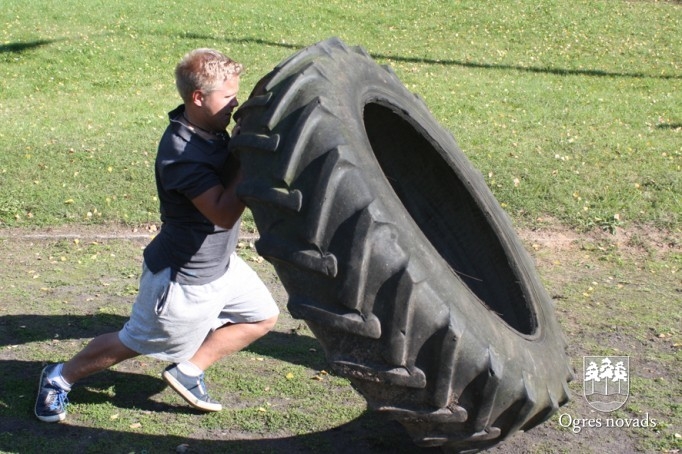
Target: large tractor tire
{"type": "Point", "coordinates": [395, 252]}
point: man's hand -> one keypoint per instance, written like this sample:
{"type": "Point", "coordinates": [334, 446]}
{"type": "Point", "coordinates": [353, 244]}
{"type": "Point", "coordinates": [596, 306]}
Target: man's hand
{"type": "Point", "coordinates": [237, 129]}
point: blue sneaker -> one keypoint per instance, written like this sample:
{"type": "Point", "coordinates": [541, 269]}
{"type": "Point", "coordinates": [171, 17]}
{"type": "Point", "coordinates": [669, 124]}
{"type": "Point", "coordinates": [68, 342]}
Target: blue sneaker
{"type": "Point", "coordinates": [192, 389]}
{"type": "Point", "coordinates": [52, 401]}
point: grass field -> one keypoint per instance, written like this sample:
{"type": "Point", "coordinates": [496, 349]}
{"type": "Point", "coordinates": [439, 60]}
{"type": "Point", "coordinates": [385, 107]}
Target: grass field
{"type": "Point", "coordinates": [572, 111]}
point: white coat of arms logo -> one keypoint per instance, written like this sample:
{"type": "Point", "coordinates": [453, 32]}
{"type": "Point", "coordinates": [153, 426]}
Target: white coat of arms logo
{"type": "Point", "coordinates": [606, 381]}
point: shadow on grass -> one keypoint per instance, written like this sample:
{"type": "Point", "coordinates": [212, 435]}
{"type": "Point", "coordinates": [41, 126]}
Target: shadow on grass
{"type": "Point", "coordinates": [669, 126]}
{"type": "Point", "coordinates": [20, 47]}
{"type": "Point", "coordinates": [450, 62]}
{"type": "Point", "coordinates": [21, 432]}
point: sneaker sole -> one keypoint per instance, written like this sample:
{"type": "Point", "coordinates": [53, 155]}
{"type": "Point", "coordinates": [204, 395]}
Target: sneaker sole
{"type": "Point", "coordinates": [188, 396]}
{"type": "Point", "coordinates": [52, 418]}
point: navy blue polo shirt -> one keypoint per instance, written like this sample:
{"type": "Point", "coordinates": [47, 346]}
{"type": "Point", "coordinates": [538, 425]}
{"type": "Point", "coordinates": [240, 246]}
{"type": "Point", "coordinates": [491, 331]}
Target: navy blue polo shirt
{"type": "Point", "coordinates": [187, 165]}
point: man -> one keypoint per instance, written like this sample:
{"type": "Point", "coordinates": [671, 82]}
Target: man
{"type": "Point", "coordinates": [198, 301]}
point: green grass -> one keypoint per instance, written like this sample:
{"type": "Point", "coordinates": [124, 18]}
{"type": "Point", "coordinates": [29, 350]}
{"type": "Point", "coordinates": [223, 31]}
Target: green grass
{"type": "Point", "coordinates": [570, 109]}
{"type": "Point", "coordinates": [612, 302]}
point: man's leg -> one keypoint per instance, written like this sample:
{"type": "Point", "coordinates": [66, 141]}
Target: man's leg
{"type": "Point", "coordinates": [55, 380]}
{"type": "Point", "coordinates": [230, 339]}
{"type": "Point", "coordinates": [242, 297]}
{"type": "Point", "coordinates": [101, 353]}
{"type": "Point", "coordinates": [187, 377]}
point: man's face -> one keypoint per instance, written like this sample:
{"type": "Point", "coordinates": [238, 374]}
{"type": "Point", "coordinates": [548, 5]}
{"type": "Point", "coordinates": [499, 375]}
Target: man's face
{"type": "Point", "coordinates": [217, 105]}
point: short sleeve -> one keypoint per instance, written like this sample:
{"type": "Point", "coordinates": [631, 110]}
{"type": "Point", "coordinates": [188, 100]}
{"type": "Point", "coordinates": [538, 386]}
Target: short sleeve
{"type": "Point", "coordinates": [189, 178]}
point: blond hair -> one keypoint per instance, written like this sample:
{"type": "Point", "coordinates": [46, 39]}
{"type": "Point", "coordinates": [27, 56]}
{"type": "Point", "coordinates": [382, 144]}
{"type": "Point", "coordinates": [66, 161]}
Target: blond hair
{"type": "Point", "coordinates": [205, 70]}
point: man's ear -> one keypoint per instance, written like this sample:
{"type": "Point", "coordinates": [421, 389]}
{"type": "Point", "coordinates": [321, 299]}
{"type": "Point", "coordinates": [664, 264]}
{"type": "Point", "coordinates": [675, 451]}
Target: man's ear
{"type": "Point", "coordinates": [197, 98]}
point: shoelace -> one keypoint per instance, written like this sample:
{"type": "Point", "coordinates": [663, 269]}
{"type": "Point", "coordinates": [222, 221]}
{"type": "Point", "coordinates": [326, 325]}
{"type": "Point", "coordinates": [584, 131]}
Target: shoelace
{"type": "Point", "coordinates": [60, 400]}
{"type": "Point", "coordinates": [202, 386]}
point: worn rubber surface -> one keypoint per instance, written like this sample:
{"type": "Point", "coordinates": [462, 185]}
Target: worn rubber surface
{"type": "Point", "coordinates": [395, 252]}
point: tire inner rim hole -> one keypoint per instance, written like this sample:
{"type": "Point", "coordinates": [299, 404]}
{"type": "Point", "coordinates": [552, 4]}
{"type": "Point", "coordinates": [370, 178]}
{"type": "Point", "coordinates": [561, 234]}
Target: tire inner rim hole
{"type": "Point", "coordinates": [447, 214]}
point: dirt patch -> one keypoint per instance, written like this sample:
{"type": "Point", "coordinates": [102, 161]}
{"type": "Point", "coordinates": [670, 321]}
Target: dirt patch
{"type": "Point", "coordinates": [635, 240]}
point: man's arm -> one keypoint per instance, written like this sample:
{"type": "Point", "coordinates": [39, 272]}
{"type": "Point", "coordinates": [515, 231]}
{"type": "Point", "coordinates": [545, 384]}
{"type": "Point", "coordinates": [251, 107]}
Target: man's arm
{"type": "Point", "coordinates": [220, 204]}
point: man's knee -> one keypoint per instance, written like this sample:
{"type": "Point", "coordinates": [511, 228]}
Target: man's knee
{"type": "Point", "coordinates": [268, 324]}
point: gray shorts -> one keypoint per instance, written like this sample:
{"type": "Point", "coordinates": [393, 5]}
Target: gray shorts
{"type": "Point", "coordinates": [169, 321]}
